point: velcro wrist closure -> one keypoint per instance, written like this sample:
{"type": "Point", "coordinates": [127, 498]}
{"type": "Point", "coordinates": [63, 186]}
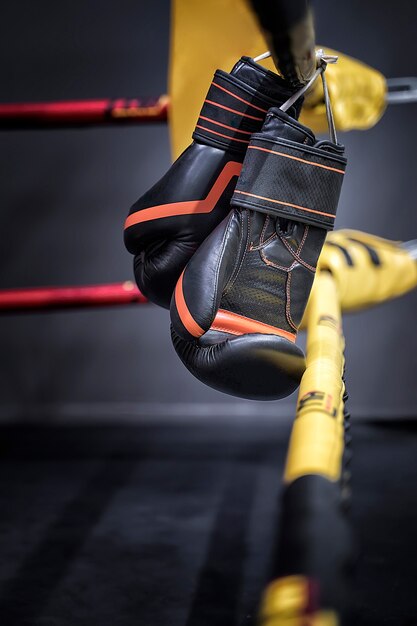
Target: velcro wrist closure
{"type": "Point", "coordinates": [231, 112]}
{"type": "Point", "coordinates": [292, 180]}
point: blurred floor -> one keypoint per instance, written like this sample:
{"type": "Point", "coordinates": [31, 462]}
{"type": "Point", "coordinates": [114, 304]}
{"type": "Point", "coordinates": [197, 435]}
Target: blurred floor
{"type": "Point", "coordinates": [157, 525]}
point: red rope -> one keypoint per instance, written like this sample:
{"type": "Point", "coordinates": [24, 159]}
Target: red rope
{"type": "Point", "coordinates": [69, 297]}
{"type": "Point", "coordinates": [83, 112]}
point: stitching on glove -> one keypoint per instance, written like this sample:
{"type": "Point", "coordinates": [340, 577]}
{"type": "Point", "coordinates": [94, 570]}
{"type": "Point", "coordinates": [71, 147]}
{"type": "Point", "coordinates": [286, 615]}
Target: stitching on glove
{"type": "Point", "coordinates": [214, 307]}
{"type": "Point", "coordinates": [296, 256]}
{"type": "Point", "coordinates": [303, 239]}
{"type": "Point", "coordinates": [288, 303]}
{"type": "Point", "coordinates": [263, 243]}
{"type": "Point", "coordinates": [236, 269]}
{"type": "Point", "coordinates": [294, 206]}
{"type": "Point", "coordinates": [294, 158]}
{"type": "Point", "coordinates": [272, 264]}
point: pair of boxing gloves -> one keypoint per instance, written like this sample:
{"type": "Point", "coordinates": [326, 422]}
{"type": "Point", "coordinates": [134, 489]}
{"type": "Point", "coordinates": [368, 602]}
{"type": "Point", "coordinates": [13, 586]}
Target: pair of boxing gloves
{"type": "Point", "coordinates": [230, 237]}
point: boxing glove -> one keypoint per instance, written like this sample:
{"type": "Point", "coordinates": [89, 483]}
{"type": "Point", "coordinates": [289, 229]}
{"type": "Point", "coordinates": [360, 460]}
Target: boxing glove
{"type": "Point", "coordinates": [238, 304]}
{"type": "Point", "coordinates": [168, 223]}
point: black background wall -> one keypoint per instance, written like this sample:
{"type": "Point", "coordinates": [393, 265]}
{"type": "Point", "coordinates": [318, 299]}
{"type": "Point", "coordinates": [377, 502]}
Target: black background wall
{"type": "Point", "coordinates": [64, 195]}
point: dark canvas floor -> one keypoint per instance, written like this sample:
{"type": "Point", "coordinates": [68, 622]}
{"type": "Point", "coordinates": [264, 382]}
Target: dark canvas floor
{"type": "Point", "coordinates": [173, 525]}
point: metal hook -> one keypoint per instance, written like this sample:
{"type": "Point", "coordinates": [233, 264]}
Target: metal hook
{"type": "Point", "coordinates": [319, 72]}
{"type": "Point", "coordinates": [325, 59]}
{"type": "Point", "coordinates": [320, 56]}
{"type": "Point", "coordinates": [288, 104]}
{"type": "Point", "coordinates": [263, 56]}
{"type": "Point", "coordinates": [329, 111]}
{"type": "Point", "coordinates": [322, 61]}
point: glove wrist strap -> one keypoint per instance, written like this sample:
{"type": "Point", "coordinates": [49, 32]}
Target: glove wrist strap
{"type": "Point", "coordinates": [231, 112]}
{"type": "Point", "coordinates": [291, 180]}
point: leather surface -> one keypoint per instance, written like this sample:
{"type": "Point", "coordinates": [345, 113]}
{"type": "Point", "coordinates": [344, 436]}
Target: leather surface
{"type": "Point", "coordinates": [162, 247]}
{"type": "Point", "coordinates": [287, 172]}
{"type": "Point", "coordinates": [164, 228]}
{"type": "Point", "coordinates": [255, 268]}
{"type": "Point", "coordinates": [258, 367]}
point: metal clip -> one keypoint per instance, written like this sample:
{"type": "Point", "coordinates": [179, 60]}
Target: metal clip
{"type": "Point", "coordinates": [320, 56]}
{"type": "Point", "coordinates": [329, 111]}
{"type": "Point", "coordinates": [323, 60]}
{"type": "Point", "coordinates": [263, 56]}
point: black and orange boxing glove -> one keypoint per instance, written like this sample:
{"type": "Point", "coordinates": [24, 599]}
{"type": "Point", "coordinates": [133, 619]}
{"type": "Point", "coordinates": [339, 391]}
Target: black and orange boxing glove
{"type": "Point", "coordinates": [168, 223]}
{"type": "Point", "coordinates": [237, 306]}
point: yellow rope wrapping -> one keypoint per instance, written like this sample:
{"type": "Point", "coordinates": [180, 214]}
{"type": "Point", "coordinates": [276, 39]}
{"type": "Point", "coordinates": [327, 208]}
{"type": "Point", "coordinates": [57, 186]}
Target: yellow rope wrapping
{"type": "Point", "coordinates": [316, 444]}
{"type": "Point", "coordinates": [317, 439]}
{"type": "Point", "coordinates": [284, 604]}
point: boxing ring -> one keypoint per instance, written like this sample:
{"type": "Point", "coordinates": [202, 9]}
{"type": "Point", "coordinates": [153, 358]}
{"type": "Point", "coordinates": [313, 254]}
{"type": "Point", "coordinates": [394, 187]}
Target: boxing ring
{"type": "Point", "coordinates": [313, 554]}
{"type": "Point", "coordinates": [77, 113]}
{"type": "Point", "coordinates": [129, 111]}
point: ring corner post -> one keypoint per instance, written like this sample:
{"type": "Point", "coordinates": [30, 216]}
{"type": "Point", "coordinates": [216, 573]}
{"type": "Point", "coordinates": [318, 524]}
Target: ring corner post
{"type": "Point", "coordinates": [314, 550]}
